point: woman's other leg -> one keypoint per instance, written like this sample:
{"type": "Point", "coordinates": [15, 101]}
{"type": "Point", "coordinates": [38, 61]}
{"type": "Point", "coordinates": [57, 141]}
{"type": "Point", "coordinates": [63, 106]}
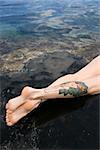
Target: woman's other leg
{"type": "Point", "coordinates": [89, 71]}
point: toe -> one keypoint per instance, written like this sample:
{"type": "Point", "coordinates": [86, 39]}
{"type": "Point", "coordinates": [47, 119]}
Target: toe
{"type": "Point", "coordinates": [7, 106]}
{"type": "Point", "coordinates": [7, 120]}
{"type": "Point", "coordinates": [6, 115]}
{"type": "Point", "coordinates": [9, 111]}
{"type": "Point", "coordinates": [17, 115]}
{"type": "Point", "coordinates": [9, 123]}
{"type": "Point", "coordinates": [21, 111]}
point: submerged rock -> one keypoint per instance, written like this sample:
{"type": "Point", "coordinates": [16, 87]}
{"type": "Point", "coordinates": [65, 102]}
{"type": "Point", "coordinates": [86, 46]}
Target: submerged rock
{"type": "Point", "coordinates": [84, 36]}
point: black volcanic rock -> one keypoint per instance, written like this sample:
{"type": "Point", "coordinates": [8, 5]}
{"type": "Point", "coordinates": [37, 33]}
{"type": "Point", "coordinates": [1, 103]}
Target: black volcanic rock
{"type": "Point", "coordinates": [54, 124]}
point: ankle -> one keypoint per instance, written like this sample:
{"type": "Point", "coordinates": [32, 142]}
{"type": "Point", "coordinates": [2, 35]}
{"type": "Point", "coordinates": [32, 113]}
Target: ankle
{"type": "Point", "coordinates": [93, 85]}
{"type": "Point", "coordinates": [36, 95]}
{"type": "Point", "coordinates": [94, 90]}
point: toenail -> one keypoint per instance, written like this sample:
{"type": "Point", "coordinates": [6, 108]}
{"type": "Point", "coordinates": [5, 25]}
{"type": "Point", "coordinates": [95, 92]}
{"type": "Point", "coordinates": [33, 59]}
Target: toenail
{"type": "Point", "coordinates": [7, 111]}
{"type": "Point", "coordinates": [9, 123]}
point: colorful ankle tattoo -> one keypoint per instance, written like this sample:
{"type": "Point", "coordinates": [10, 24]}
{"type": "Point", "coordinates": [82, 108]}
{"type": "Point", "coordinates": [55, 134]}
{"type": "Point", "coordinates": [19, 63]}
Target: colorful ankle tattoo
{"type": "Point", "coordinates": [80, 89]}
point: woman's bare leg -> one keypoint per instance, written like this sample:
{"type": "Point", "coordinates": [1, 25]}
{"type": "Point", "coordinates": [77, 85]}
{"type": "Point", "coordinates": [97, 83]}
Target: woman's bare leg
{"type": "Point", "coordinates": [90, 70]}
{"type": "Point", "coordinates": [73, 89]}
{"type": "Point", "coordinates": [66, 90]}
{"type": "Point", "coordinates": [24, 99]}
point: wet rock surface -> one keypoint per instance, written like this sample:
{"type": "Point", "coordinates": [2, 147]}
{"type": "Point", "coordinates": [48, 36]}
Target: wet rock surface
{"type": "Point", "coordinates": [63, 124]}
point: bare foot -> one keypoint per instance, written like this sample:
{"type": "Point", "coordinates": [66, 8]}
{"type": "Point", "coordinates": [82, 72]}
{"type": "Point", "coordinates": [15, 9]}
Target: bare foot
{"type": "Point", "coordinates": [20, 106]}
{"type": "Point", "coordinates": [21, 111]}
{"type": "Point", "coordinates": [14, 103]}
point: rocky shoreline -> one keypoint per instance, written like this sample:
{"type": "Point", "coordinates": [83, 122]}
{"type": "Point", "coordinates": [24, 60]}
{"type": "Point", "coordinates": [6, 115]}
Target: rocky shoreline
{"type": "Point", "coordinates": [48, 65]}
{"type": "Point", "coordinates": [40, 72]}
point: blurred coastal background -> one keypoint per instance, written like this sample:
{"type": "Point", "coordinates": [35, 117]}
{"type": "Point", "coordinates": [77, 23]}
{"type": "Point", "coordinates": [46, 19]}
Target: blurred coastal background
{"type": "Point", "coordinates": [41, 40]}
{"type": "Point", "coordinates": [29, 28]}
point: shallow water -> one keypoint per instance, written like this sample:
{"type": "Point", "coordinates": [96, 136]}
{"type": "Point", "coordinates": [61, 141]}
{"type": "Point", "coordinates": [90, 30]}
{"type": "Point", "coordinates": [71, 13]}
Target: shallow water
{"type": "Point", "coordinates": [30, 32]}
{"type": "Point", "coordinates": [50, 25]}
